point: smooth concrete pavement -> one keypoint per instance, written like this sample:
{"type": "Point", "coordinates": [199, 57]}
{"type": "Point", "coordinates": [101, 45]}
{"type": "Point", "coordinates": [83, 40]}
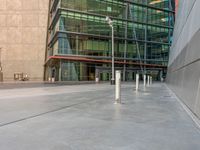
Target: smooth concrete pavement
{"type": "Point", "coordinates": [84, 117]}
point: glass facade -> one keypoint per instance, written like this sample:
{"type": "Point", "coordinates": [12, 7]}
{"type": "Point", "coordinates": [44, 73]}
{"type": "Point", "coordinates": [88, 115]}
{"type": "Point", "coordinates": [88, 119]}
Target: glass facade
{"type": "Point", "coordinates": [79, 39]}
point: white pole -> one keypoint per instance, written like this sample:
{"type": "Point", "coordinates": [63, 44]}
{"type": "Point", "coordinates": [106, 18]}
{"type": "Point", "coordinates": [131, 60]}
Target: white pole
{"type": "Point", "coordinates": [144, 79]}
{"type": "Point", "coordinates": [137, 81]}
{"type": "Point", "coordinates": [110, 22]}
{"type": "Point", "coordinates": [118, 87]}
{"type": "Point", "coordinates": [113, 59]}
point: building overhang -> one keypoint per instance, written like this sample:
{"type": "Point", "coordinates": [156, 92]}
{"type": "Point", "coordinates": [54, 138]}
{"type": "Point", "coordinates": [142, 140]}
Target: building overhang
{"type": "Point", "coordinates": [100, 61]}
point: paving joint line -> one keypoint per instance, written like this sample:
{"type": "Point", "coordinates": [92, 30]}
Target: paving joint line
{"type": "Point", "coordinates": [44, 113]}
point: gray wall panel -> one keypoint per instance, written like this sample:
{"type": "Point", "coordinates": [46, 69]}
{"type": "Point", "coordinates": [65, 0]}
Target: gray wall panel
{"type": "Point", "coordinates": [194, 49]}
{"type": "Point", "coordinates": [184, 66]}
{"type": "Point", "coordinates": [185, 83]}
{"type": "Point", "coordinates": [186, 26]}
{"type": "Point", "coordinates": [190, 84]}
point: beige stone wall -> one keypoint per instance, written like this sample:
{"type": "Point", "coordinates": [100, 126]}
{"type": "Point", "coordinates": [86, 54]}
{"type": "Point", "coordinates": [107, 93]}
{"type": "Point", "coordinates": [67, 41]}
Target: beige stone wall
{"type": "Point", "coordinates": [23, 26]}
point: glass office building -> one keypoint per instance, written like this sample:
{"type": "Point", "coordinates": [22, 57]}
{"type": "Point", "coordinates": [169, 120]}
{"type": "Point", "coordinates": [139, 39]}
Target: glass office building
{"type": "Point", "coordinates": [79, 41]}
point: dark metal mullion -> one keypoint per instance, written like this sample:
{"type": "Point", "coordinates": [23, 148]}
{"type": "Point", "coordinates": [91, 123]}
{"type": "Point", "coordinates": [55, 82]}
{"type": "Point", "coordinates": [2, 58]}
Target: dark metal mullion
{"type": "Point", "coordinates": [53, 5]}
{"type": "Point", "coordinates": [98, 15]}
{"type": "Point", "coordinates": [125, 48]}
{"type": "Point", "coordinates": [55, 19]}
{"type": "Point", "coordinates": [143, 5]}
{"type": "Point", "coordinates": [101, 37]}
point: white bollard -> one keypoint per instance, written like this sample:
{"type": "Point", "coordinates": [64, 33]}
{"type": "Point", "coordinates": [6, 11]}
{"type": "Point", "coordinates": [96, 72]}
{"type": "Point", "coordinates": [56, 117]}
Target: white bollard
{"type": "Point", "coordinates": [151, 80]}
{"type": "Point", "coordinates": [144, 79]}
{"type": "Point", "coordinates": [118, 87]}
{"type": "Point", "coordinates": [137, 82]}
{"type": "Point", "coordinates": [97, 80]}
{"type": "Point", "coordinates": [148, 80]}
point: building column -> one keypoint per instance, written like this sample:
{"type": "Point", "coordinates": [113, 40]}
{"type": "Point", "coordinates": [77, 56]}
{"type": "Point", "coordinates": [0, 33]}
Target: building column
{"type": "Point", "coordinates": [60, 71]}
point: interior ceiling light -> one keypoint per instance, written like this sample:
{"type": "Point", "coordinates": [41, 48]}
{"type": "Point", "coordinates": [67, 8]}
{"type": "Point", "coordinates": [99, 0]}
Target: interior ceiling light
{"type": "Point", "coordinates": [164, 19]}
{"type": "Point", "coordinates": [155, 2]}
{"type": "Point", "coordinates": [158, 11]}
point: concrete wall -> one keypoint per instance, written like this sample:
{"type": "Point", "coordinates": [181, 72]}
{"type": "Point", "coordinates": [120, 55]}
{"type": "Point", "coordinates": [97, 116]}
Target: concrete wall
{"type": "Point", "coordinates": [184, 65]}
{"type": "Point", "coordinates": [23, 26]}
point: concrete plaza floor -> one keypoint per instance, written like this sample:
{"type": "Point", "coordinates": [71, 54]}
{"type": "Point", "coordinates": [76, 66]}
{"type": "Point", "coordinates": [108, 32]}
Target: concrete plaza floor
{"type": "Point", "coordinates": [84, 117]}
